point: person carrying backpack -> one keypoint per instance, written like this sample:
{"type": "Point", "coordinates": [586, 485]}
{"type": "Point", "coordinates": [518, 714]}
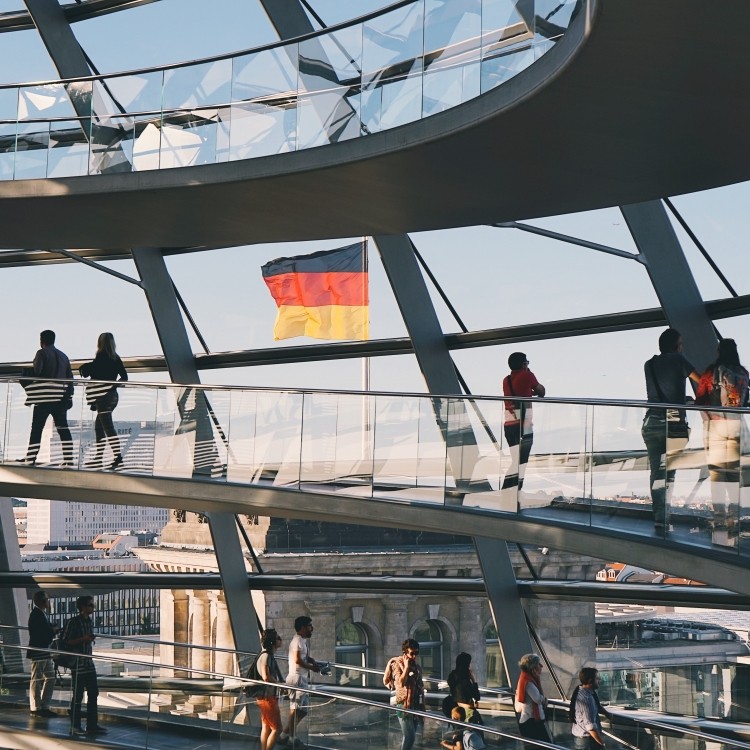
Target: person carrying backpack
{"type": "Point", "coordinates": [724, 383]}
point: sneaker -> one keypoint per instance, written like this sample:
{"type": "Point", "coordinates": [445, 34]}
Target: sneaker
{"type": "Point", "coordinates": [78, 732]}
{"type": "Point", "coordinates": [115, 464]}
{"type": "Point", "coordinates": [46, 713]}
{"type": "Point", "coordinates": [95, 729]}
{"type": "Point", "coordinates": [26, 461]}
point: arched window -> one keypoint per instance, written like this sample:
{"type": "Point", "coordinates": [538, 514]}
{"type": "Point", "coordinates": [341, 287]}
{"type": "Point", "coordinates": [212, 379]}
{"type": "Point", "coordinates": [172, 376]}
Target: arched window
{"type": "Point", "coordinates": [496, 676]}
{"type": "Point", "coordinates": [431, 649]}
{"type": "Point", "coordinates": [351, 648]}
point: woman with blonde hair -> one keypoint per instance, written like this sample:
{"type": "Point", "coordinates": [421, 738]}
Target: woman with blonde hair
{"type": "Point", "coordinates": [103, 398]}
{"type": "Point", "coordinates": [530, 701]}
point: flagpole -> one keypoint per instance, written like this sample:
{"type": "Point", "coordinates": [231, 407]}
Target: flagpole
{"type": "Point", "coordinates": [365, 360]}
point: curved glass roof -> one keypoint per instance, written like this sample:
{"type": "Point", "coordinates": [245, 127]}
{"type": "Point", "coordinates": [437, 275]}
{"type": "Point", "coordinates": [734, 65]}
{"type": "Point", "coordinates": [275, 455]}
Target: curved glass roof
{"type": "Point", "coordinates": [413, 60]}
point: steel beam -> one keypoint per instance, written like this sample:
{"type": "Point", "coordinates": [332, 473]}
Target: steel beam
{"type": "Point", "coordinates": [655, 594]}
{"type": "Point", "coordinates": [672, 279]}
{"type": "Point", "coordinates": [437, 367]}
{"type": "Point", "coordinates": [173, 336]}
{"type": "Point", "coordinates": [14, 607]}
{"type": "Point", "coordinates": [66, 54]}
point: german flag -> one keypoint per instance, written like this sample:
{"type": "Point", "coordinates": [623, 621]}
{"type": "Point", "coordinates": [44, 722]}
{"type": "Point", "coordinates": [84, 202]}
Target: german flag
{"type": "Point", "coordinates": [323, 295]}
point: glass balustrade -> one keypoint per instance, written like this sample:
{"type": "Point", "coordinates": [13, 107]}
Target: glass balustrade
{"type": "Point", "coordinates": [409, 61]}
{"type": "Point", "coordinates": [580, 463]}
{"type": "Point", "coordinates": [155, 694]}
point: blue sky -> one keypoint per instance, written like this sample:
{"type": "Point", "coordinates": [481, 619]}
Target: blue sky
{"type": "Point", "coordinates": [494, 277]}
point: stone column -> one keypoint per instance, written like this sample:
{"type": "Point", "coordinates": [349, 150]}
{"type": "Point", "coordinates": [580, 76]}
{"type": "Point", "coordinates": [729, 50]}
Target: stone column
{"type": "Point", "coordinates": [323, 643]}
{"type": "Point", "coordinates": [223, 660]}
{"type": "Point", "coordinates": [200, 635]}
{"type": "Point", "coordinates": [181, 618]}
{"type": "Point", "coordinates": [396, 628]}
{"type": "Point", "coordinates": [166, 631]}
{"type": "Point", "coordinates": [471, 635]}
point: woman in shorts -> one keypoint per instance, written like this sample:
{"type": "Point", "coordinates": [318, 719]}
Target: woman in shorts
{"type": "Point", "coordinates": [270, 715]}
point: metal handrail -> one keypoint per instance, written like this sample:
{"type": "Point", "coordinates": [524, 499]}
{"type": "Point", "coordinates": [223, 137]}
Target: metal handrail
{"type": "Point", "coordinates": [575, 401]}
{"type": "Point", "coordinates": [216, 58]}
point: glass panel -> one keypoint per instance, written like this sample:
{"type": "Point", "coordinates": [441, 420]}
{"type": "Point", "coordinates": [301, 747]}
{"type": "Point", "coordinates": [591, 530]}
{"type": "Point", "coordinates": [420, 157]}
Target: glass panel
{"type": "Point", "coordinates": [267, 74]}
{"type": "Point", "coordinates": [189, 138]}
{"type": "Point", "coordinates": [112, 145]}
{"type": "Point", "coordinates": [486, 424]}
{"type": "Point", "coordinates": [174, 444]}
{"type": "Point", "coordinates": [241, 456]}
{"type": "Point", "coordinates": [449, 87]}
{"type": "Point", "coordinates": [134, 94]}
{"type": "Point", "coordinates": [331, 61]}
{"type": "Point", "coordinates": [619, 486]}
{"type": "Point", "coordinates": [330, 112]}
{"type": "Point", "coordinates": [552, 17]}
{"type": "Point", "coordinates": [392, 68]}
{"type": "Point", "coordinates": [213, 450]}
{"type": "Point", "coordinates": [7, 150]}
{"type": "Point", "coordinates": [9, 104]}
{"type": "Point", "coordinates": [394, 102]}
{"type": "Point", "coordinates": [328, 117]}
{"type": "Point", "coordinates": [554, 479]}
{"type": "Point", "coordinates": [503, 65]}
{"type": "Point", "coordinates": [397, 422]}
{"type": "Point", "coordinates": [452, 43]}
{"type": "Point", "coordinates": [147, 144]}
{"type": "Point", "coordinates": [198, 85]}
{"type": "Point", "coordinates": [31, 150]}
{"type": "Point", "coordinates": [722, 439]}
{"type": "Point", "coordinates": [744, 478]}
{"type": "Point", "coordinates": [46, 102]}
{"type": "Point", "coordinates": [336, 445]}
{"type": "Point", "coordinates": [262, 130]}
{"type": "Point", "coordinates": [69, 149]}
{"type": "Point", "coordinates": [278, 438]}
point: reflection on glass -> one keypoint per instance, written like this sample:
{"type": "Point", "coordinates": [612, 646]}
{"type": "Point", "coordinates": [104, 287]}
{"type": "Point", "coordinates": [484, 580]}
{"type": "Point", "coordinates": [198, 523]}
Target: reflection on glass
{"type": "Point", "coordinates": [7, 150]}
{"type": "Point", "coordinates": [410, 62]}
{"type": "Point", "coordinates": [32, 144]}
{"type": "Point", "coordinates": [69, 149]}
{"type": "Point", "coordinates": [197, 85]}
{"type": "Point", "coordinates": [111, 145]}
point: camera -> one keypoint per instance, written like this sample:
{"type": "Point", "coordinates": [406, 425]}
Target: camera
{"type": "Point", "coordinates": [325, 668]}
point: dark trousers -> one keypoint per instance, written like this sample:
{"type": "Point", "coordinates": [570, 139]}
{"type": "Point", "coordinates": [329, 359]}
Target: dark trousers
{"type": "Point", "coordinates": [519, 457]}
{"type": "Point", "coordinates": [84, 679]}
{"type": "Point", "coordinates": [59, 414]}
{"type": "Point", "coordinates": [658, 448]}
{"type": "Point", "coordinates": [104, 427]}
{"type": "Point", "coordinates": [534, 729]}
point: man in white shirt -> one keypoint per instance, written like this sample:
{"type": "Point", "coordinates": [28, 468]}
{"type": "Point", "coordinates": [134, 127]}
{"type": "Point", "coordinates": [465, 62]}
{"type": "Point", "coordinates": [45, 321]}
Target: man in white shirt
{"type": "Point", "coordinates": [300, 666]}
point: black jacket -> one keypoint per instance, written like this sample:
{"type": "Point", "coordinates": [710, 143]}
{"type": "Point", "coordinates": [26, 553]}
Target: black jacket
{"type": "Point", "coordinates": [41, 634]}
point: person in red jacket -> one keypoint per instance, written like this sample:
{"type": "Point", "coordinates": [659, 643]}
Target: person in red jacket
{"type": "Point", "coordinates": [519, 427]}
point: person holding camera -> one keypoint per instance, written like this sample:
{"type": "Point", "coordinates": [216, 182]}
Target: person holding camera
{"type": "Point", "coordinates": [404, 675]}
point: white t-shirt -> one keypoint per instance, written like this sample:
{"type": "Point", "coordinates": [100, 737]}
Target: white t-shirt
{"type": "Point", "coordinates": [300, 645]}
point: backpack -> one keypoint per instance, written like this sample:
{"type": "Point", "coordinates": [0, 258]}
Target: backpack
{"type": "Point", "coordinates": [255, 690]}
{"type": "Point", "coordinates": [730, 387]}
{"type": "Point", "coordinates": [58, 644]}
{"type": "Point", "coordinates": [472, 740]}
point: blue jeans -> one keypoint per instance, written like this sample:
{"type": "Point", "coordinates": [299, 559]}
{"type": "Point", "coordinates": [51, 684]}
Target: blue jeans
{"type": "Point", "coordinates": [409, 730]}
{"type": "Point", "coordinates": [586, 743]}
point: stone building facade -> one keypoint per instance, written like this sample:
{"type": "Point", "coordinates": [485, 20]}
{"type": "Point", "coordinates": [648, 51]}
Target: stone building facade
{"type": "Point", "coordinates": [366, 629]}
